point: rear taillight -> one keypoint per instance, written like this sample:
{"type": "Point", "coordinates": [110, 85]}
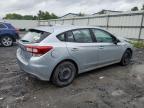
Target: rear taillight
{"type": "Point", "coordinates": [38, 50]}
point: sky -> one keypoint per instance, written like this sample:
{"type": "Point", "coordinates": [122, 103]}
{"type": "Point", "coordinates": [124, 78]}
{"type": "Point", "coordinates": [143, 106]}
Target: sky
{"type": "Point", "coordinates": [61, 7]}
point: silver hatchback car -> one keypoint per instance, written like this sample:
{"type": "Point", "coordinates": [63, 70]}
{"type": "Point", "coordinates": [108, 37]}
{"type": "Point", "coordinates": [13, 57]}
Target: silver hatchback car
{"type": "Point", "coordinates": [59, 53]}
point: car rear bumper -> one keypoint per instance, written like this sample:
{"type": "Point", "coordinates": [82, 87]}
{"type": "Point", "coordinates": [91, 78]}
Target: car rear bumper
{"type": "Point", "coordinates": [33, 68]}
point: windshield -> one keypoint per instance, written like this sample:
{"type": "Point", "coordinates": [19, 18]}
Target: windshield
{"type": "Point", "coordinates": [35, 36]}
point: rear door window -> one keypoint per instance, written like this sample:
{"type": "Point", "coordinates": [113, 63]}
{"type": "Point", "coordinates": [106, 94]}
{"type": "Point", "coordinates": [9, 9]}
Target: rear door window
{"type": "Point", "coordinates": [79, 36]}
{"type": "Point", "coordinates": [82, 36]}
{"type": "Point", "coordinates": [35, 36]}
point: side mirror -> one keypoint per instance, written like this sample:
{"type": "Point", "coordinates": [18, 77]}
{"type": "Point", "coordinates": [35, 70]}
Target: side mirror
{"type": "Point", "coordinates": [115, 41]}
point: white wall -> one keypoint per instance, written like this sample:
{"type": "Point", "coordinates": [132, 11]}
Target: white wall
{"type": "Point", "coordinates": [69, 16]}
{"type": "Point", "coordinates": [98, 21]}
{"type": "Point", "coordinates": [23, 23]}
{"type": "Point", "coordinates": [126, 24]}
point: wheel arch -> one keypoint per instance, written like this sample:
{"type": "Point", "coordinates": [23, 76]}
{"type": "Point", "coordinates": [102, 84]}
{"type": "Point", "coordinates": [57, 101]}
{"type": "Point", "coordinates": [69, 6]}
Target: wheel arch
{"type": "Point", "coordinates": [70, 60]}
{"type": "Point", "coordinates": [127, 49]}
{"type": "Point", "coordinates": [130, 50]}
{"type": "Point", "coordinates": [7, 34]}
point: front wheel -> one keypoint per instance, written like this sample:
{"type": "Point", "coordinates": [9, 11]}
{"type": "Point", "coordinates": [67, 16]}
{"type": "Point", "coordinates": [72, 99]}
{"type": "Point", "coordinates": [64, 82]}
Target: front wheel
{"type": "Point", "coordinates": [126, 58]}
{"type": "Point", "coordinates": [6, 41]}
{"type": "Point", "coordinates": [64, 74]}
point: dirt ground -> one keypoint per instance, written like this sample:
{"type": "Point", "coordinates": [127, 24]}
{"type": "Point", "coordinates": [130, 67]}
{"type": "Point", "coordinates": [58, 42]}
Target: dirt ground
{"type": "Point", "coordinates": [114, 86]}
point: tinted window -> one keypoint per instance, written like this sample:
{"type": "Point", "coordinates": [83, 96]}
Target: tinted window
{"type": "Point", "coordinates": [35, 36]}
{"type": "Point", "coordinates": [82, 36]}
{"type": "Point", "coordinates": [61, 37]}
{"type": "Point", "coordinates": [2, 26]}
{"type": "Point", "coordinates": [102, 36]}
{"type": "Point", "coordinates": [70, 37]}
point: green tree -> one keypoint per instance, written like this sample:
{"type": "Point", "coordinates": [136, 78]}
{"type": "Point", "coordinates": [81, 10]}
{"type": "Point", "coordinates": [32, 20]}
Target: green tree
{"type": "Point", "coordinates": [46, 15]}
{"type": "Point", "coordinates": [28, 17]}
{"type": "Point", "coordinates": [13, 16]}
{"type": "Point", "coordinates": [135, 8]}
{"type": "Point", "coordinates": [53, 16]}
{"type": "Point", "coordinates": [35, 17]}
{"type": "Point", "coordinates": [41, 15]}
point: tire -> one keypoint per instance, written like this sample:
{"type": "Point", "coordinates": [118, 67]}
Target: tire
{"type": "Point", "coordinates": [64, 74]}
{"type": "Point", "coordinates": [126, 58]}
{"type": "Point", "coordinates": [6, 41]}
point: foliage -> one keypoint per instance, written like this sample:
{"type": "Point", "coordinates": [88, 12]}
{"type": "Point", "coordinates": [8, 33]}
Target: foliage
{"type": "Point", "coordinates": [13, 16]}
{"type": "Point", "coordinates": [134, 9]}
{"type": "Point", "coordinates": [46, 15]}
{"type": "Point", "coordinates": [41, 15]}
{"type": "Point", "coordinates": [28, 17]}
{"type": "Point", "coordinates": [138, 44]}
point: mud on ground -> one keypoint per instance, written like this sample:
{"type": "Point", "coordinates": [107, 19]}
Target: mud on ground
{"type": "Point", "coordinates": [114, 86]}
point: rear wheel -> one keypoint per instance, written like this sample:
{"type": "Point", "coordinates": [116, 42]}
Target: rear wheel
{"type": "Point", "coordinates": [64, 74]}
{"type": "Point", "coordinates": [6, 41]}
{"type": "Point", "coordinates": [126, 58]}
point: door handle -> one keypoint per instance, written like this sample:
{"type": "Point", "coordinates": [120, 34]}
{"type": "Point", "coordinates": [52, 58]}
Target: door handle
{"type": "Point", "coordinates": [75, 49]}
{"type": "Point", "coordinates": [101, 47]}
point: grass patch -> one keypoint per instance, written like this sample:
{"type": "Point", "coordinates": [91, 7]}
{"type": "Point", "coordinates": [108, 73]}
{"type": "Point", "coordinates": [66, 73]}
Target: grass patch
{"type": "Point", "coordinates": [138, 44]}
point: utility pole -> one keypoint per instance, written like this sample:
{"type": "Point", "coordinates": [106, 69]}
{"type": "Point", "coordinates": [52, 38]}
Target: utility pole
{"type": "Point", "coordinates": [139, 37]}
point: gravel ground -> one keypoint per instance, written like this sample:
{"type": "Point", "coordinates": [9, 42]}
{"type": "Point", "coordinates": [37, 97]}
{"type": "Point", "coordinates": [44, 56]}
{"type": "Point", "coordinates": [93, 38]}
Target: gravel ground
{"type": "Point", "coordinates": [110, 87]}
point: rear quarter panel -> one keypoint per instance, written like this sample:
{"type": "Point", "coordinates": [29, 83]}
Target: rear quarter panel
{"type": "Point", "coordinates": [59, 53]}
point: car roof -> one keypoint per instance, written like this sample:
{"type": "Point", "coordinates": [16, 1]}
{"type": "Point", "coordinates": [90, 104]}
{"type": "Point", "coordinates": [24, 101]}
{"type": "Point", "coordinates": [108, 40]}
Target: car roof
{"type": "Point", "coordinates": [4, 23]}
{"type": "Point", "coordinates": [61, 28]}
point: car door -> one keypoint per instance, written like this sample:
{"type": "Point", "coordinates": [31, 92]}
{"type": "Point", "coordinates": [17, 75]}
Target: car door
{"type": "Point", "coordinates": [109, 52]}
{"type": "Point", "coordinates": [82, 48]}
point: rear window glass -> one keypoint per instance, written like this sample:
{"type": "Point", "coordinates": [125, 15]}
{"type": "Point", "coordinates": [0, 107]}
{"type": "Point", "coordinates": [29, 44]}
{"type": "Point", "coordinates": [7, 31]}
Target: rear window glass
{"type": "Point", "coordinates": [35, 36]}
